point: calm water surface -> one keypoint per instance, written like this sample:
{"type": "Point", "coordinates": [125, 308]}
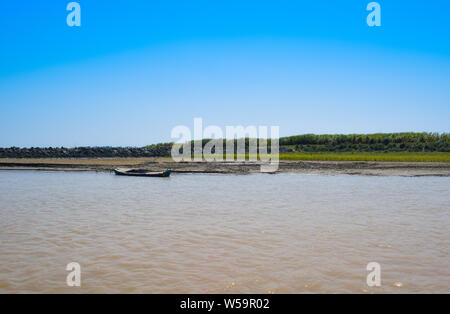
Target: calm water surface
{"type": "Point", "coordinates": [285, 233]}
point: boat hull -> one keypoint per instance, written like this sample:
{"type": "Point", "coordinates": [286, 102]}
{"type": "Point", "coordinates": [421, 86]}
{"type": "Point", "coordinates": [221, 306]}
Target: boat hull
{"type": "Point", "coordinates": [142, 173]}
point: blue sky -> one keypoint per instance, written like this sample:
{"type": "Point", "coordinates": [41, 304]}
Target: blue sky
{"type": "Point", "coordinates": [136, 69]}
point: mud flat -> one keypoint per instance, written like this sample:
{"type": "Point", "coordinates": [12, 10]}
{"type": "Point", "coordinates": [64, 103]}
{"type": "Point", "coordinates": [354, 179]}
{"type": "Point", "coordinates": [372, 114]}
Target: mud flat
{"type": "Point", "coordinates": [285, 166]}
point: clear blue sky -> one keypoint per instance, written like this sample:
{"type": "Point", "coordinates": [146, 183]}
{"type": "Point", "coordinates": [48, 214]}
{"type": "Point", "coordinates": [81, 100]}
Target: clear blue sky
{"type": "Point", "coordinates": [135, 69]}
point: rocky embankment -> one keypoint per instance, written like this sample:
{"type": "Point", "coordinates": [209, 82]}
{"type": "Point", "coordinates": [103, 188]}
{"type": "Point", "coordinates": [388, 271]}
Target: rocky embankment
{"type": "Point", "coordinates": [84, 152]}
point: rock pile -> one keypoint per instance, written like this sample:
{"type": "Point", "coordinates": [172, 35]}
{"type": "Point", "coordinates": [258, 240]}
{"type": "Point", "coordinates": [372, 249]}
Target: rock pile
{"type": "Point", "coordinates": [84, 152]}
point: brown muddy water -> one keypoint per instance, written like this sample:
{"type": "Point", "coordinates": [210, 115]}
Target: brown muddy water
{"type": "Point", "coordinates": [286, 233]}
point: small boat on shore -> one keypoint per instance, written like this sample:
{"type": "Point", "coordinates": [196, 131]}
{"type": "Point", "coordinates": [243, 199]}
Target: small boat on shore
{"type": "Point", "coordinates": [141, 173]}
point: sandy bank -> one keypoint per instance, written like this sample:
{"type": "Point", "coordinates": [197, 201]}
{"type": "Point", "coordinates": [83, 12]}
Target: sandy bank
{"type": "Point", "coordinates": [285, 166]}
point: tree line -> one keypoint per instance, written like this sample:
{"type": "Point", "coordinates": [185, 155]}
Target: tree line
{"type": "Point", "coordinates": [389, 142]}
{"type": "Point", "coordinates": [379, 142]}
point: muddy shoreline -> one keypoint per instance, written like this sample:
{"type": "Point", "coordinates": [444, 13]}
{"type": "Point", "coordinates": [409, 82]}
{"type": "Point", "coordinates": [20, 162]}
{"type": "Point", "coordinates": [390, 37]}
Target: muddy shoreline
{"type": "Point", "coordinates": [285, 166]}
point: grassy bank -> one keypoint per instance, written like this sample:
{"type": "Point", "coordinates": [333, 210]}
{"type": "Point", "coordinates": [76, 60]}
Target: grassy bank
{"type": "Point", "coordinates": [321, 156]}
{"type": "Point", "coordinates": [365, 156]}
{"type": "Point", "coordinates": [356, 156]}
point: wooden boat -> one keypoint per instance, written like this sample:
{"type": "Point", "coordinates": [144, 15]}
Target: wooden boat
{"type": "Point", "coordinates": [141, 173]}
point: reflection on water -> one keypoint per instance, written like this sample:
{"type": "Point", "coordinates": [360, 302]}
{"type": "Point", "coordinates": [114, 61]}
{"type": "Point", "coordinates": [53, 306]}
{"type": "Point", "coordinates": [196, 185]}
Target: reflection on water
{"type": "Point", "coordinates": [286, 233]}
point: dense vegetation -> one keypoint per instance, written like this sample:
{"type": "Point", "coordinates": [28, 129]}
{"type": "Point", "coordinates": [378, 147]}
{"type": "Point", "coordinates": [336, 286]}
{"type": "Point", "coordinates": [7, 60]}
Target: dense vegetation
{"type": "Point", "coordinates": [387, 142]}
{"type": "Point", "coordinates": [381, 142]}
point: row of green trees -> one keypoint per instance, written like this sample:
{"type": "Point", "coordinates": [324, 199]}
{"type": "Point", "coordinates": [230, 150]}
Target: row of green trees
{"type": "Point", "coordinates": [415, 142]}
{"type": "Point", "coordinates": [389, 142]}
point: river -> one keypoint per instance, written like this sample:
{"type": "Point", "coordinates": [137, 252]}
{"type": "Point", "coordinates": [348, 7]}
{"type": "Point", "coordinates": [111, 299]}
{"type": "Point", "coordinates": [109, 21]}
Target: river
{"type": "Point", "coordinates": [204, 233]}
